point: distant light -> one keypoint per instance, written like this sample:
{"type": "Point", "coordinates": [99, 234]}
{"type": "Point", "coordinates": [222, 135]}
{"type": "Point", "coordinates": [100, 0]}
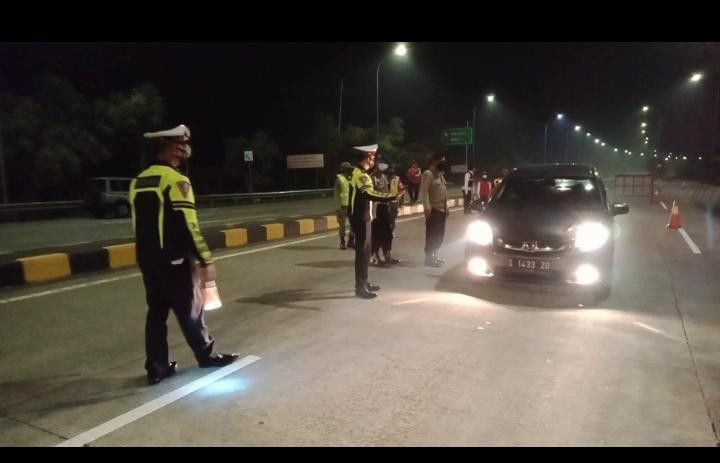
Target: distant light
{"type": "Point", "coordinates": [602, 144]}
{"type": "Point", "coordinates": [642, 154]}
{"type": "Point", "coordinates": [588, 134]}
{"type": "Point", "coordinates": [577, 128]}
{"type": "Point", "coordinates": [646, 142]}
{"type": "Point", "coordinates": [616, 150]}
{"type": "Point", "coordinates": [560, 116]}
{"type": "Point", "coordinates": [644, 124]}
{"type": "Point", "coordinates": [597, 140]}
{"type": "Point", "coordinates": [696, 77]}
{"type": "Point", "coordinates": [646, 109]}
{"type": "Point", "coordinates": [684, 158]}
{"type": "Point", "coordinates": [490, 98]}
{"type": "Point", "coordinates": [700, 158]}
{"type": "Point", "coordinates": [655, 156]}
{"type": "Point", "coordinates": [642, 131]}
{"type": "Point", "coordinates": [401, 50]}
{"type": "Point", "coordinates": [676, 158]}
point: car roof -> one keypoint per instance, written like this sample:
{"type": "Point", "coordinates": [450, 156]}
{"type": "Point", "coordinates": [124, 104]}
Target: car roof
{"type": "Point", "coordinates": [553, 170]}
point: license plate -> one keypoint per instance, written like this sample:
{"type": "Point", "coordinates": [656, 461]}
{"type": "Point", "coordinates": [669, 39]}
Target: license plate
{"type": "Point", "coordinates": [529, 264]}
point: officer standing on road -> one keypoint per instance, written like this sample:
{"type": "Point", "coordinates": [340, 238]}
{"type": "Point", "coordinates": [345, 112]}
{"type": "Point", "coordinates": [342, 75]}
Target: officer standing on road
{"type": "Point", "coordinates": [168, 243]}
{"type": "Point", "coordinates": [342, 196]}
{"type": "Point", "coordinates": [434, 197]}
{"type": "Point", "coordinates": [468, 188]}
{"type": "Point", "coordinates": [361, 193]}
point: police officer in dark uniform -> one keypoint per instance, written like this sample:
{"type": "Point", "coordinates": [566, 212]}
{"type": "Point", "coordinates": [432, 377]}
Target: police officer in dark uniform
{"type": "Point", "coordinates": [361, 193]}
{"type": "Point", "coordinates": [172, 255]}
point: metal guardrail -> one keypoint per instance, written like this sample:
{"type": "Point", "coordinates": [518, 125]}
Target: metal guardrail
{"type": "Point", "coordinates": [14, 209]}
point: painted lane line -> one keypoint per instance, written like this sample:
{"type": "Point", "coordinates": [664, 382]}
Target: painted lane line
{"type": "Point", "coordinates": [137, 274]}
{"type": "Point", "coordinates": [663, 205]}
{"type": "Point", "coordinates": [411, 301]}
{"type": "Point", "coordinates": [68, 288]}
{"type": "Point", "coordinates": [689, 241]}
{"type": "Point", "coordinates": [156, 404]}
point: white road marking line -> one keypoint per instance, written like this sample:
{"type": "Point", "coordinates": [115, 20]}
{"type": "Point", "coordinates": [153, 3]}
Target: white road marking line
{"type": "Point", "coordinates": [410, 301]}
{"type": "Point", "coordinates": [67, 288]}
{"type": "Point", "coordinates": [136, 274]}
{"type": "Point", "coordinates": [156, 404]}
{"type": "Point", "coordinates": [689, 241]}
{"type": "Point", "coordinates": [663, 205]}
{"type": "Point", "coordinates": [655, 330]}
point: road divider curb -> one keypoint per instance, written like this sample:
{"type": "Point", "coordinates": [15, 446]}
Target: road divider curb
{"type": "Point", "coordinates": [55, 266]}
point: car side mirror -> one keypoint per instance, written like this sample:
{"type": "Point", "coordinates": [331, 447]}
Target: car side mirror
{"type": "Point", "coordinates": [619, 209]}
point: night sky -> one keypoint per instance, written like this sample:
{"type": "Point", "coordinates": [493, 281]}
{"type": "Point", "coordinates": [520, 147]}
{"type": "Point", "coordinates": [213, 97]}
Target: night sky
{"type": "Point", "coordinates": [224, 90]}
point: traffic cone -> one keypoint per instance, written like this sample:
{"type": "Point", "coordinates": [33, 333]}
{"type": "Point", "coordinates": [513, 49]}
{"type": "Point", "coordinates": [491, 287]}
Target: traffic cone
{"type": "Point", "coordinates": [675, 221]}
{"type": "Point", "coordinates": [655, 198]}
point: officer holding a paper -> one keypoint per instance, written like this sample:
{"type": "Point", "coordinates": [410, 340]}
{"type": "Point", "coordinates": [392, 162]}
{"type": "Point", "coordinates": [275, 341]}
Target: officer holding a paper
{"type": "Point", "coordinates": [173, 257]}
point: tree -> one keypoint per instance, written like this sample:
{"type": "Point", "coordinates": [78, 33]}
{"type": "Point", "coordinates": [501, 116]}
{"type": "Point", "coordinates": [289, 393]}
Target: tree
{"type": "Point", "coordinates": [50, 141]}
{"type": "Point", "coordinates": [123, 118]}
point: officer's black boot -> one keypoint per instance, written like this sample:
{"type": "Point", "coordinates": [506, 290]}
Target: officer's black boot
{"type": "Point", "coordinates": [155, 375]}
{"type": "Point", "coordinates": [218, 360]}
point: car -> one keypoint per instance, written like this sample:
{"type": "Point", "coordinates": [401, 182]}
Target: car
{"type": "Point", "coordinates": [109, 195]}
{"type": "Point", "coordinates": [546, 222]}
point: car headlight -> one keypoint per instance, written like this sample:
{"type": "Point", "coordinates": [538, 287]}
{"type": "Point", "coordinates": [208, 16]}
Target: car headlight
{"type": "Point", "coordinates": [591, 235]}
{"type": "Point", "coordinates": [480, 232]}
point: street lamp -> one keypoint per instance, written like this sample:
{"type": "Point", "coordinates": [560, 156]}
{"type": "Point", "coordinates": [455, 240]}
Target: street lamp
{"type": "Point", "coordinates": [400, 50]}
{"type": "Point", "coordinates": [646, 109]}
{"type": "Point", "coordinates": [696, 77]}
{"type": "Point", "coordinates": [644, 124]}
{"type": "Point", "coordinates": [597, 140]}
{"type": "Point", "coordinates": [490, 98]}
{"type": "Point", "coordinates": [578, 128]}
{"type": "Point", "coordinates": [558, 116]}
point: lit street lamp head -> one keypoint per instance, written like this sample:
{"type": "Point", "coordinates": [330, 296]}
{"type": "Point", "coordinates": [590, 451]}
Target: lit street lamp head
{"type": "Point", "coordinates": [696, 77]}
{"type": "Point", "coordinates": [401, 50]}
{"type": "Point", "coordinates": [646, 109]}
{"type": "Point", "coordinates": [560, 116]}
{"type": "Point", "coordinates": [490, 98]}
{"type": "Point", "coordinates": [577, 128]}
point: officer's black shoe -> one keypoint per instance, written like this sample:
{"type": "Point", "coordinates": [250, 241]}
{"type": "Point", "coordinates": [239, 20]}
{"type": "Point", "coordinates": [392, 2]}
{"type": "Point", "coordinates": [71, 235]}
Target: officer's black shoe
{"type": "Point", "coordinates": [342, 245]}
{"type": "Point", "coordinates": [156, 376]}
{"type": "Point", "coordinates": [365, 294]}
{"type": "Point", "coordinates": [392, 260]}
{"type": "Point", "coordinates": [219, 360]}
{"type": "Point", "coordinates": [372, 288]}
{"type": "Point", "coordinates": [430, 262]}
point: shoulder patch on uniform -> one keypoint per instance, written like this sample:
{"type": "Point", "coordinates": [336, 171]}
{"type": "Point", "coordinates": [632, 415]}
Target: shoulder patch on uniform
{"type": "Point", "coordinates": [184, 188]}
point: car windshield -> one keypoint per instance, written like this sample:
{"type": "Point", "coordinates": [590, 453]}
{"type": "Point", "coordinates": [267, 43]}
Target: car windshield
{"type": "Point", "coordinates": [549, 193]}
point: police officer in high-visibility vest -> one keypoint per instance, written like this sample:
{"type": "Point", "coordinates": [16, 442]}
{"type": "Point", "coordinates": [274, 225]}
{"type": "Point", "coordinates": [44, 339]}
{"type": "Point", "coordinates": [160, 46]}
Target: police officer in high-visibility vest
{"type": "Point", "coordinates": [172, 255]}
{"type": "Point", "coordinates": [342, 197]}
{"type": "Point", "coordinates": [361, 193]}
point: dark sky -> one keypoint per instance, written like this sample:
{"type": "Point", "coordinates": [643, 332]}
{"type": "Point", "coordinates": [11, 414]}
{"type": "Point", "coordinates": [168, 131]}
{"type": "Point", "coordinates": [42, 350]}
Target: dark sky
{"type": "Point", "coordinates": [222, 90]}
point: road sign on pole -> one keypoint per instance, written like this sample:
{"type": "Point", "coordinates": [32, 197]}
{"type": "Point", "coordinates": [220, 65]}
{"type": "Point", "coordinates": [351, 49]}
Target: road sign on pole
{"type": "Point", "coordinates": [456, 136]}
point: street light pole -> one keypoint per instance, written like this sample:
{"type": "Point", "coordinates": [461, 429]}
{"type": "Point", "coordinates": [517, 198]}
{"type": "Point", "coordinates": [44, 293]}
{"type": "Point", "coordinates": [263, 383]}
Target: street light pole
{"type": "Point", "coordinates": [545, 145]}
{"type": "Point", "coordinates": [377, 101]}
{"type": "Point", "coordinates": [3, 180]}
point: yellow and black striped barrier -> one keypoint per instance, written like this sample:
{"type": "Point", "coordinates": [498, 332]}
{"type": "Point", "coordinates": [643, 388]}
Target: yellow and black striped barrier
{"type": "Point", "coordinates": [57, 265]}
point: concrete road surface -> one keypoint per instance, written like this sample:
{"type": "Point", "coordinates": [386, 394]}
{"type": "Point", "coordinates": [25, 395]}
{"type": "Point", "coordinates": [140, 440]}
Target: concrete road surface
{"type": "Point", "coordinates": [433, 360]}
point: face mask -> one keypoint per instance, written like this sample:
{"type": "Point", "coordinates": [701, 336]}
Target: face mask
{"type": "Point", "coordinates": [382, 167]}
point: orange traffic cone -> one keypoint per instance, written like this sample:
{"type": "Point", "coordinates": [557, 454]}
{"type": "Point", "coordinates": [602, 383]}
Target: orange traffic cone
{"type": "Point", "coordinates": [655, 198]}
{"type": "Point", "coordinates": [675, 221]}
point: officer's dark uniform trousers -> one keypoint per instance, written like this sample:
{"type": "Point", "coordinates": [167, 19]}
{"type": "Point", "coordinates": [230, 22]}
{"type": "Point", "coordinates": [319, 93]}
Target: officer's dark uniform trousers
{"type": "Point", "coordinates": [174, 287]}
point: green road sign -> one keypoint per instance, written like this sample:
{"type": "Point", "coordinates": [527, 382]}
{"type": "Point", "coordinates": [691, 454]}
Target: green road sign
{"type": "Point", "coordinates": [457, 136]}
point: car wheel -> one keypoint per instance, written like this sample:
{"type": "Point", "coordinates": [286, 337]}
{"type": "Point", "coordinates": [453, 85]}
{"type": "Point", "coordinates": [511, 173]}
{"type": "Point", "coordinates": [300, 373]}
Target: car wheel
{"type": "Point", "coordinates": [122, 209]}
